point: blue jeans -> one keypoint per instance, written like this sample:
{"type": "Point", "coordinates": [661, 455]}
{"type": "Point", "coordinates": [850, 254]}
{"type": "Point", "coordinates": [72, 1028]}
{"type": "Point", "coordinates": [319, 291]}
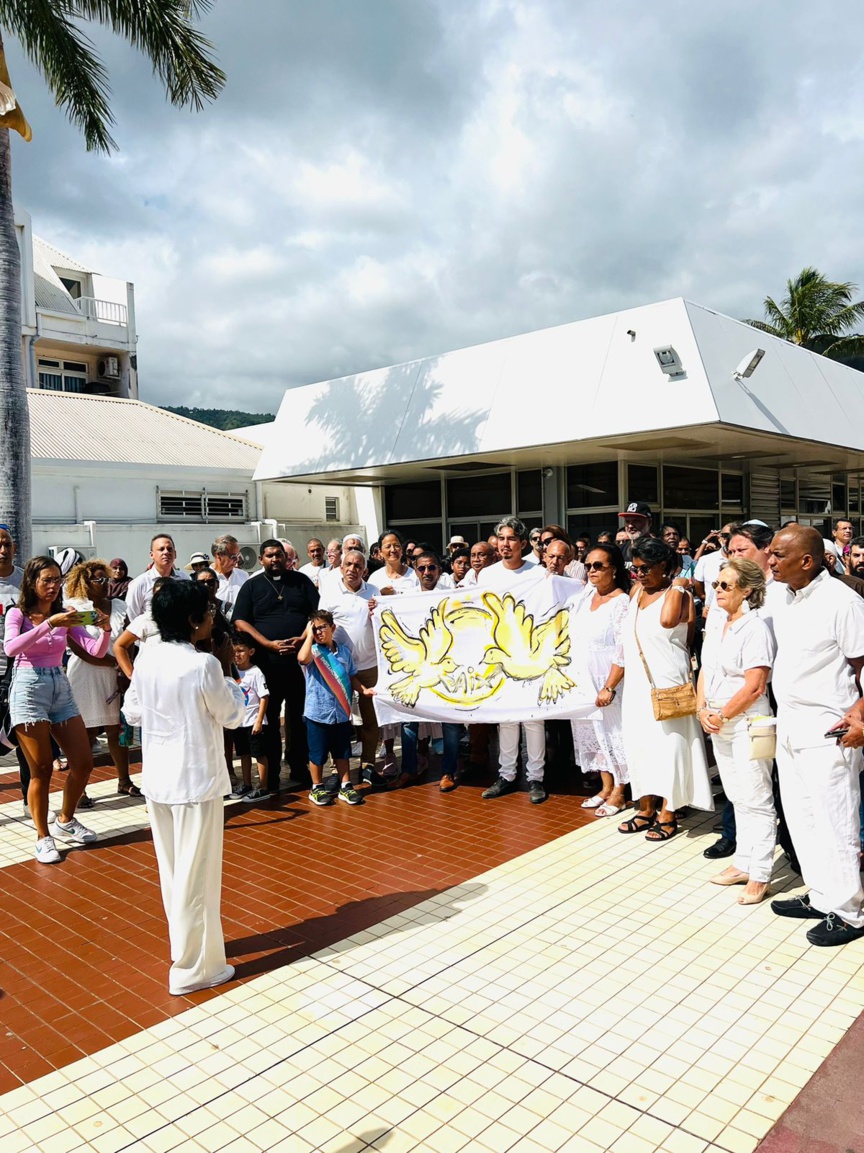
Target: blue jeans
{"type": "Point", "coordinates": [452, 734]}
{"type": "Point", "coordinates": [730, 831]}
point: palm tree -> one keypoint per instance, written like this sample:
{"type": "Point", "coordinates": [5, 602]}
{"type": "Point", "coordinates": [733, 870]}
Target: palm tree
{"type": "Point", "coordinates": [52, 34]}
{"type": "Point", "coordinates": [816, 313]}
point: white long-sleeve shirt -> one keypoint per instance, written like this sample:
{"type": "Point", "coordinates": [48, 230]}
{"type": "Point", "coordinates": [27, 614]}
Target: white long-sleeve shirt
{"type": "Point", "coordinates": [182, 702]}
{"type": "Point", "coordinates": [140, 591]}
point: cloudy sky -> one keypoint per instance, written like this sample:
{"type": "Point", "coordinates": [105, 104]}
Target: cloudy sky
{"type": "Point", "coordinates": [386, 179]}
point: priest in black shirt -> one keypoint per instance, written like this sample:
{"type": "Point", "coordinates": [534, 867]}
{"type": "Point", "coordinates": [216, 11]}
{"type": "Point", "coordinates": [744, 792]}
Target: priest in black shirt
{"type": "Point", "coordinates": [273, 607]}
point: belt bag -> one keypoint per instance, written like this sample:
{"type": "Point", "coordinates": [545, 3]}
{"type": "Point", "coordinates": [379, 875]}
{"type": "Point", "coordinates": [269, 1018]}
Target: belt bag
{"type": "Point", "coordinates": [677, 701]}
{"type": "Point", "coordinates": [763, 739]}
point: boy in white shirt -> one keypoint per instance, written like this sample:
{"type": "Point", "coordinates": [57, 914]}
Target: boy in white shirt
{"type": "Point", "coordinates": [249, 740]}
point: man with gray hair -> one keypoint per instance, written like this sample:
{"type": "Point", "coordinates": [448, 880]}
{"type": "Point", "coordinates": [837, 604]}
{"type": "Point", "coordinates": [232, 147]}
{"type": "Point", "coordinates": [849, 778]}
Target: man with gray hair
{"type": "Point", "coordinates": [351, 600]}
{"type": "Point", "coordinates": [512, 569]}
{"type": "Point", "coordinates": [226, 564]}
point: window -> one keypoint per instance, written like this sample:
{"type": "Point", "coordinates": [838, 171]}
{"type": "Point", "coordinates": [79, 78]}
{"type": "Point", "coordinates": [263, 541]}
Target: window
{"type": "Point", "coordinates": [479, 496]}
{"type": "Point", "coordinates": [201, 506]}
{"type": "Point", "coordinates": [592, 523]}
{"type": "Point", "coordinates": [690, 487]}
{"type": "Point", "coordinates": [331, 507]}
{"type": "Point", "coordinates": [642, 484]}
{"type": "Point", "coordinates": [529, 490]}
{"type": "Point", "coordinates": [592, 485]}
{"type": "Point", "coordinates": [732, 491]}
{"type": "Point", "coordinates": [410, 499]}
{"type": "Point", "coordinates": [63, 375]}
{"type": "Point", "coordinates": [73, 287]}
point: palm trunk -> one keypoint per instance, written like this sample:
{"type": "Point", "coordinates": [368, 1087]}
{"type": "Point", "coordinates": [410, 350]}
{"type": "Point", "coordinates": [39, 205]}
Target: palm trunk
{"type": "Point", "coordinates": [14, 415]}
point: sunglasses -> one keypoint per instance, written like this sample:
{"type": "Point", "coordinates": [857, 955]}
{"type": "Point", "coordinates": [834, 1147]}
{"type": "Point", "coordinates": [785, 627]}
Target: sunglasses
{"type": "Point", "coordinates": [640, 570]}
{"type": "Point", "coordinates": [595, 566]}
{"type": "Point", "coordinates": [207, 581]}
{"type": "Point", "coordinates": [427, 568]}
{"type": "Point", "coordinates": [320, 628]}
{"type": "Point", "coordinates": [724, 586]}
{"type": "Point", "coordinates": [98, 581]}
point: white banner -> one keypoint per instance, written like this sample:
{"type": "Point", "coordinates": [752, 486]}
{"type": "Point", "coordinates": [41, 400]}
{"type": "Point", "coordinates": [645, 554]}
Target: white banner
{"type": "Point", "coordinates": [481, 655]}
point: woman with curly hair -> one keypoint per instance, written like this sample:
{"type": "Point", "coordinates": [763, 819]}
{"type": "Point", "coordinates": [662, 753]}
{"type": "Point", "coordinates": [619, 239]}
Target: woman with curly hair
{"type": "Point", "coordinates": [94, 680]}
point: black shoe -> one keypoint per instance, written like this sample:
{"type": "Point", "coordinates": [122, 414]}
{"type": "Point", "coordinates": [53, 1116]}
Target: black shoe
{"type": "Point", "coordinates": [797, 907]}
{"type": "Point", "coordinates": [833, 931]}
{"type": "Point", "coordinates": [536, 793]}
{"type": "Point", "coordinates": [372, 777]}
{"type": "Point", "coordinates": [498, 789]}
{"type": "Point", "coordinates": [292, 785]}
{"type": "Point", "coordinates": [722, 848]}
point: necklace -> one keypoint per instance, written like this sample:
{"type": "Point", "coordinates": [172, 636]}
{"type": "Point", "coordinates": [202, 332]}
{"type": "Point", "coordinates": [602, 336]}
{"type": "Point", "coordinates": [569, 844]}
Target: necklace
{"type": "Point", "coordinates": [273, 587]}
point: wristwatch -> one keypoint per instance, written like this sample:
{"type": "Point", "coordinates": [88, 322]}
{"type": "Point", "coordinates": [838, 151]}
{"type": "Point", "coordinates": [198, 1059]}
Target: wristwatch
{"type": "Point", "coordinates": [609, 689]}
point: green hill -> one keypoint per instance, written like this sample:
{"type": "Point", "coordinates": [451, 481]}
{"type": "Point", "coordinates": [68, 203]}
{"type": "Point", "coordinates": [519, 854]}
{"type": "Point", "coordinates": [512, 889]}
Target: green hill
{"type": "Point", "coordinates": [224, 418]}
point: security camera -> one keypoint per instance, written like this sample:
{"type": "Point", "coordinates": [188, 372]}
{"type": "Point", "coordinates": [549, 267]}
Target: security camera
{"type": "Point", "coordinates": [548, 473]}
{"type": "Point", "coordinates": [749, 364]}
{"type": "Point", "coordinates": [669, 361]}
{"type": "Point", "coordinates": [631, 332]}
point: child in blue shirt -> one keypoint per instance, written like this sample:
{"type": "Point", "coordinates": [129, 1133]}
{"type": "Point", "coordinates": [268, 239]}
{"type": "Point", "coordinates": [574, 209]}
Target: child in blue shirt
{"type": "Point", "coordinates": [330, 678]}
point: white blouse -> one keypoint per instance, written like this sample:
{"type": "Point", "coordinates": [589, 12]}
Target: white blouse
{"type": "Point", "coordinates": [182, 702]}
{"type": "Point", "coordinates": [727, 655]}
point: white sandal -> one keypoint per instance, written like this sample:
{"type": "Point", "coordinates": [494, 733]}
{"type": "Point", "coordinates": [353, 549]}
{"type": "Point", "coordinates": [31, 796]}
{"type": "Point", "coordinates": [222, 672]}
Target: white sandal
{"type": "Point", "coordinates": [594, 802]}
{"type": "Point", "coordinates": [607, 810]}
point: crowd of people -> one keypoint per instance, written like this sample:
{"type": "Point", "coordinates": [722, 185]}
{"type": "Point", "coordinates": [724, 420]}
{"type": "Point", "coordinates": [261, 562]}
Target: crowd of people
{"type": "Point", "coordinates": [746, 651]}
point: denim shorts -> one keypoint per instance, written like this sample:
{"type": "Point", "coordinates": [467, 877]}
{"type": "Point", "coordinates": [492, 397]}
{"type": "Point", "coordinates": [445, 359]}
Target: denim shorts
{"type": "Point", "coordinates": [324, 739]}
{"type": "Point", "coordinates": [40, 695]}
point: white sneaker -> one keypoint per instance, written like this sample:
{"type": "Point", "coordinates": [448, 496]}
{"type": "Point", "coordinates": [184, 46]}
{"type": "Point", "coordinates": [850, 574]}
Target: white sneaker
{"type": "Point", "coordinates": [75, 831]}
{"type": "Point", "coordinates": [46, 851]}
{"type": "Point", "coordinates": [221, 977]}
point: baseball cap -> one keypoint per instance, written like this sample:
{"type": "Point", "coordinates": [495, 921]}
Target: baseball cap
{"type": "Point", "coordinates": [637, 508]}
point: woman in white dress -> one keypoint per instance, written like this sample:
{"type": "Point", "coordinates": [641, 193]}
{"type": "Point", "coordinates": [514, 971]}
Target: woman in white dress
{"type": "Point", "coordinates": [595, 629]}
{"type": "Point", "coordinates": [666, 759]}
{"type": "Point", "coordinates": [94, 679]}
{"type": "Point", "coordinates": [395, 577]}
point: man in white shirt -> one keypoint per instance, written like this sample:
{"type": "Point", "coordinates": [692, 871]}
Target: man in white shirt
{"type": "Point", "coordinates": [841, 531]}
{"type": "Point", "coordinates": [509, 571]}
{"type": "Point", "coordinates": [226, 562]}
{"type": "Point", "coordinates": [820, 653]}
{"type": "Point", "coordinates": [350, 599]}
{"type": "Point", "coordinates": [317, 565]}
{"type": "Point", "coordinates": [708, 568]}
{"type": "Point", "coordinates": [163, 554]}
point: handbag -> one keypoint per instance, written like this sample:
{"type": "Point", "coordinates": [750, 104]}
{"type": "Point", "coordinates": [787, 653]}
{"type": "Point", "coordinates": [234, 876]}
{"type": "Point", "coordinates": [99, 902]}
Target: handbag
{"type": "Point", "coordinates": [668, 704]}
{"type": "Point", "coordinates": [762, 732]}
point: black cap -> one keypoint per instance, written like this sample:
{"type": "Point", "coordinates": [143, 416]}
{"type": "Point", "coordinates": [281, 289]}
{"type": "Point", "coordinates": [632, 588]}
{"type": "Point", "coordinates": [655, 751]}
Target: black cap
{"type": "Point", "coordinates": [637, 508]}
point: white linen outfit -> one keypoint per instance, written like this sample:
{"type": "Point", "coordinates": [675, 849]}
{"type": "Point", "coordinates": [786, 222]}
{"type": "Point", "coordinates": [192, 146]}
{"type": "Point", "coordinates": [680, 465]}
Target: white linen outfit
{"type": "Point", "coordinates": [729, 650]}
{"type": "Point", "coordinates": [598, 634]}
{"type": "Point", "coordinates": [502, 580]}
{"type": "Point", "coordinates": [182, 702]}
{"type": "Point", "coordinates": [665, 758]}
{"type": "Point", "coordinates": [819, 629]}
{"type": "Point", "coordinates": [94, 687]}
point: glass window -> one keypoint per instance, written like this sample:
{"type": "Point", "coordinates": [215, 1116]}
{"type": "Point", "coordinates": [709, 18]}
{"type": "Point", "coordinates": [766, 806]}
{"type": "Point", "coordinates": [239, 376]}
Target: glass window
{"type": "Point", "coordinates": [732, 490]}
{"type": "Point", "coordinates": [788, 496]}
{"type": "Point", "coordinates": [529, 490]}
{"type": "Point", "coordinates": [814, 496]}
{"type": "Point", "coordinates": [411, 499]}
{"type": "Point", "coordinates": [838, 499]}
{"type": "Point", "coordinates": [689, 487]}
{"type": "Point", "coordinates": [592, 485]}
{"type": "Point", "coordinates": [479, 496]}
{"type": "Point", "coordinates": [51, 380]}
{"type": "Point", "coordinates": [592, 523]}
{"type": "Point", "coordinates": [642, 483]}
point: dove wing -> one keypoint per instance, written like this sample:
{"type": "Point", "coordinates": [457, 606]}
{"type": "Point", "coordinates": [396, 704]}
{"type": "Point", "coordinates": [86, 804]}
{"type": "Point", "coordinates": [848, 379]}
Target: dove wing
{"type": "Point", "coordinates": [436, 636]}
{"type": "Point", "coordinates": [554, 635]}
{"type": "Point", "coordinates": [404, 653]}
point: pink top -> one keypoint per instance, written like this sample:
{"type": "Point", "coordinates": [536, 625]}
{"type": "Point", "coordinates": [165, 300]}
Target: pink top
{"type": "Point", "coordinates": [41, 647]}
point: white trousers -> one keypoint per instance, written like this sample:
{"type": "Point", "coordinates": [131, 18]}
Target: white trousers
{"type": "Point", "coordinates": [188, 844]}
{"type": "Point", "coordinates": [747, 784]}
{"type": "Point", "coordinates": [821, 793]}
{"type": "Point", "coordinates": [508, 749]}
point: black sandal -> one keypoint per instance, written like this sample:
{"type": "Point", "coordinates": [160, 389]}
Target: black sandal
{"type": "Point", "coordinates": [658, 827]}
{"type": "Point", "coordinates": [631, 826]}
{"type": "Point", "coordinates": [129, 790]}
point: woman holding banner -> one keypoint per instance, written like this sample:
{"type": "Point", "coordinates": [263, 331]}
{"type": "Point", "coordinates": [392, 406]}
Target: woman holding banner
{"type": "Point", "coordinates": [596, 628]}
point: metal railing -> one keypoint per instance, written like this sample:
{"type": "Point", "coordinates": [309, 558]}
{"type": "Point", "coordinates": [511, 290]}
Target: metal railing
{"type": "Point", "coordinates": [105, 310]}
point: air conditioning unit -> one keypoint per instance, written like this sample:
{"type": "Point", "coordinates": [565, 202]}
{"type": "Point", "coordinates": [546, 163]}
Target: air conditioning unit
{"type": "Point", "coordinates": [248, 558]}
{"type": "Point", "coordinates": [110, 368]}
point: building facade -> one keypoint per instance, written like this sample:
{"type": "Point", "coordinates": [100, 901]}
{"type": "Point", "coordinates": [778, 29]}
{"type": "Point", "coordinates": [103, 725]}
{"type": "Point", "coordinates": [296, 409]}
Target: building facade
{"type": "Point", "coordinates": [702, 416]}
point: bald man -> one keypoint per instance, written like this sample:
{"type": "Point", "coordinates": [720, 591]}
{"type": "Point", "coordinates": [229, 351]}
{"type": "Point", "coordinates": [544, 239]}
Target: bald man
{"type": "Point", "coordinates": [819, 628]}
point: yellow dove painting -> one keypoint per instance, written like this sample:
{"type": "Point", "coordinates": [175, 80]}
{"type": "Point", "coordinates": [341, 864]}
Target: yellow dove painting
{"type": "Point", "coordinates": [424, 658]}
{"type": "Point", "coordinates": [527, 651]}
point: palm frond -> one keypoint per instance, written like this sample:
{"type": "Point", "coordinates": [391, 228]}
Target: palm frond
{"type": "Point", "coordinates": [765, 327]}
{"type": "Point", "coordinates": [163, 31]}
{"type": "Point", "coordinates": [847, 347]}
{"type": "Point", "coordinates": [66, 58]}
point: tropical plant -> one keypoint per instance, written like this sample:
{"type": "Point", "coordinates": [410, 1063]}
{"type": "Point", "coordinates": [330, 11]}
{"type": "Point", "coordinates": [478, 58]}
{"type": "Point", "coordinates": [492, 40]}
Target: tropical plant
{"type": "Point", "coordinates": [816, 313]}
{"type": "Point", "coordinates": [53, 34]}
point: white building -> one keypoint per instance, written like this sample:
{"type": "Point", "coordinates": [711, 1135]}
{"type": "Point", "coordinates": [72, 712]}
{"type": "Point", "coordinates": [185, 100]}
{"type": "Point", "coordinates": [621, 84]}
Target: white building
{"type": "Point", "coordinates": [702, 416]}
{"type": "Point", "coordinates": [109, 473]}
{"type": "Point", "coordinates": [77, 327]}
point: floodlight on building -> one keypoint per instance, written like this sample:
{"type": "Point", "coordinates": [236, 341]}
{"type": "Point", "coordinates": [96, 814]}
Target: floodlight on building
{"type": "Point", "coordinates": [749, 364]}
{"type": "Point", "coordinates": [669, 361]}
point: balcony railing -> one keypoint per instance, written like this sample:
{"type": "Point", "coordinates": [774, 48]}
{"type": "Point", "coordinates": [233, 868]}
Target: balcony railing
{"type": "Point", "coordinates": [106, 311]}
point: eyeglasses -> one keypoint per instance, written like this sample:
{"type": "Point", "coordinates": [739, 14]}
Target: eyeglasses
{"type": "Point", "coordinates": [724, 586]}
{"type": "Point", "coordinates": [595, 566]}
{"type": "Point", "coordinates": [320, 628]}
{"type": "Point", "coordinates": [98, 581]}
{"type": "Point", "coordinates": [427, 568]}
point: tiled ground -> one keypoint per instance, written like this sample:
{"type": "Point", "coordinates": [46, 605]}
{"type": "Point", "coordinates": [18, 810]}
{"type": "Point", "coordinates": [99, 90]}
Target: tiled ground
{"type": "Point", "coordinates": [425, 973]}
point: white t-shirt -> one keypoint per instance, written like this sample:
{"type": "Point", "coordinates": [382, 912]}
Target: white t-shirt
{"type": "Point", "coordinates": [254, 687]}
{"type": "Point", "coordinates": [314, 572]}
{"type": "Point", "coordinates": [497, 576]}
{"type": "Point", "coordinates": [409, 582]}
{"type": "Point", "coordinates": [819, 629]}
{"type": "Point", "coordinates": [144, 628]}
{"type": "Point", "coordinates": [707, 570]}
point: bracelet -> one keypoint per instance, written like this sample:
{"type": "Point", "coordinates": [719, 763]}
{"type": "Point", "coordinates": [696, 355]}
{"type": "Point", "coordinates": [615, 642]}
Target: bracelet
{"type": "Point", "coordinates": [609, 689]}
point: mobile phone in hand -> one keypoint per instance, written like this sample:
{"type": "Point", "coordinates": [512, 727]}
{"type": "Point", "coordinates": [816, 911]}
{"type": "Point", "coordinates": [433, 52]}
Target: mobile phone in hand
{"type": "Point", "coordinates": [836, 734]}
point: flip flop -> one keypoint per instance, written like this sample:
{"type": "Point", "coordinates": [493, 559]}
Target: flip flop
{"type": "Point", "coordinates": [593, 802]}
